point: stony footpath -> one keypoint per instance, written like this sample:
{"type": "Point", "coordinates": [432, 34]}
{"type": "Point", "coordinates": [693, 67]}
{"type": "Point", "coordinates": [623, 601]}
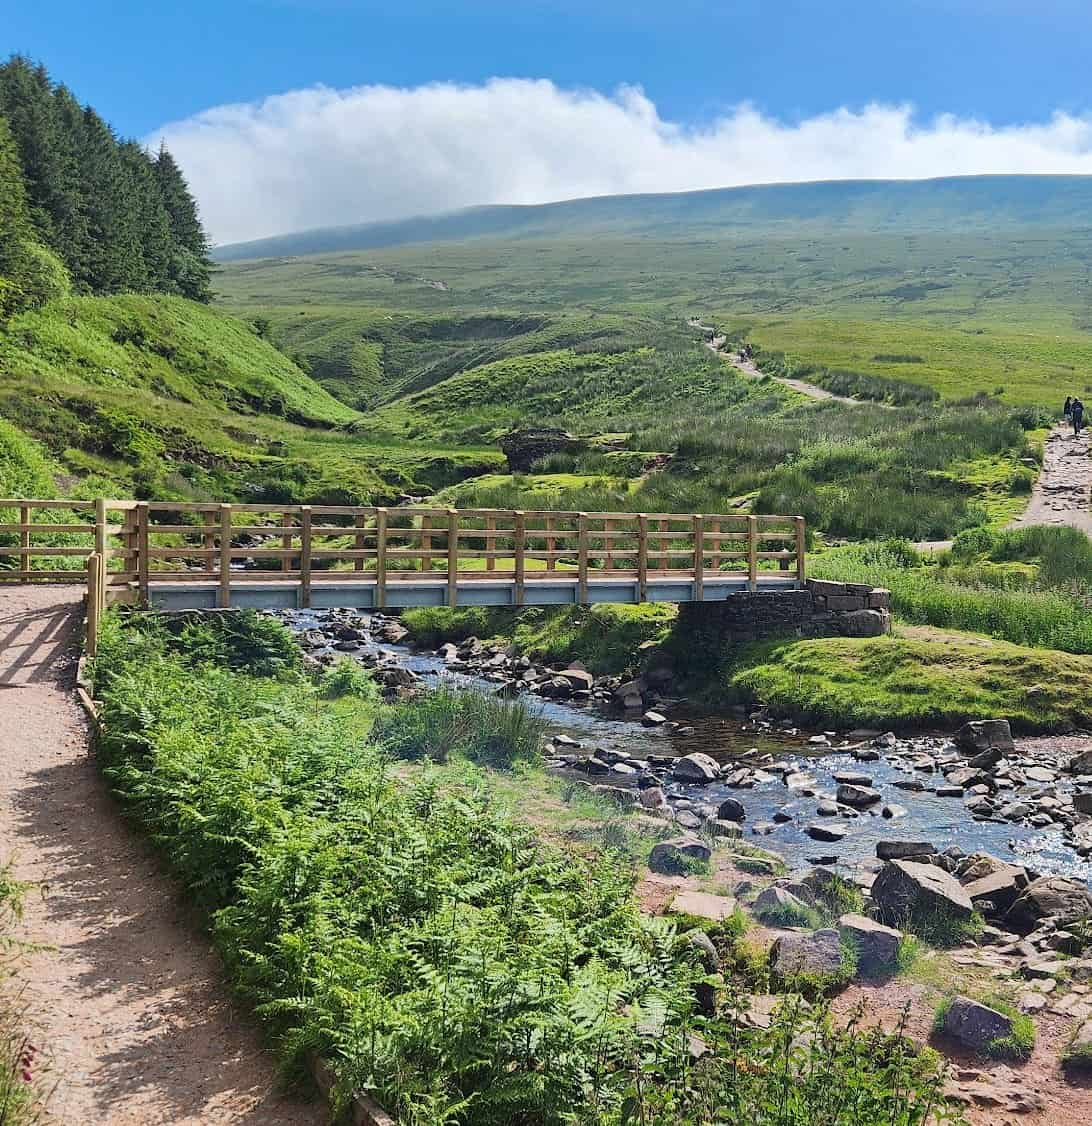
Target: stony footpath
{"type": "Point", "coordinates": [1063, 491]}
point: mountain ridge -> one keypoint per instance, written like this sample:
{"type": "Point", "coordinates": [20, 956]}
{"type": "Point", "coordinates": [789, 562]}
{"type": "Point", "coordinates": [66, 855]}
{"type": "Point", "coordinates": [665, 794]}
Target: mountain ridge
{"type": "Point", "coordinates": [967, 203]}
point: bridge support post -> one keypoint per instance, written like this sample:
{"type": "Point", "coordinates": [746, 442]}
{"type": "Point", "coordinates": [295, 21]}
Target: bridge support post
{"type": "Point", "coordinates": [452, 556]}
{"type": "Point", "coordinates": [224, 594]}
{"type": "Point", "coordinates": [752, 553]}
{"type": "Point", "coordinates": [699, 557]}
{"type": "Point", "coordinates": [582, 559]}
{"type": "Point", "coordinates": [142, 561]}
{"type": "Point", "coordinates": [380, 558]}
{"type": "Point", "coordinates": [305, 557]}
{"type": "Point", "coordinates": [519, 547]}
{"type": "Point", "coordinates": [801, 558]}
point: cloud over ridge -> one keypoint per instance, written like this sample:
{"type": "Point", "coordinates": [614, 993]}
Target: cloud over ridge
{"type": "Point", "coordinates": [322, 157]}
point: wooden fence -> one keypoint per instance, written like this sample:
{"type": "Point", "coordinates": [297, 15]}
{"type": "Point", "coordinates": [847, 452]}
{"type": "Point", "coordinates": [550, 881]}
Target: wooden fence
{"type": "Point", "coordinates": [122, 547]}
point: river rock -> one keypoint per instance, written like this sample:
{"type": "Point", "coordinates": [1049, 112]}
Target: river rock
{"type": "Point", "coordinates": [893, 810]}
{"type": "Point", "coordinates": [1078, 1056]}
{"type": "Point", "coordinates": [983, 734]}
{"type": "Point", "coordinates": [904, 850]}
{"type": "Point", "coordinates": [688, 820]}
{"type": "Point", "coordinates": [1082, 802]}
{"type": "Point", "coordinates": [720, 827]}
{"type": "Point", "coordinates": [579, 679]}
{"type": "Point", "coordinates": [653, 797]}
{"type": "Point", "coordinates": [831, 833]}
{"type": "Point", "coordinates": [731, 810]}
{"type": "Point", "coordinates": [703, 905]}
{"type": "Point", "coordinates": [860, 797]}
{"type": "Point", "coordinates": [672, 857]}
{"type": "Point", "coordinates": [1050, 897]}
{"type": "Point", "coordinates": [696, 767]}
{"type": "Point", "coordinates": [701, 942]}
{"type": "Point", "coordinates": [877, 946]}
{"type": "Point", "coordinates": [817, 953]}
{"type": "Point", "coordinates": [653, 719]}
{"type": "Point", "coordinates": [395, 677]}
{"type": "Point", "coordinates": [904, 888]}
{"type": "Point", "coordinates": [851, 778]}
{"type": "Point", "coordinates": [973, 1024]}
{"type": "Point", "coordinates": [1080, 763]}
{"type": "Point", "coordinates": [393, 633]}
{"type": "Point", "coordinates": [1001, 889]}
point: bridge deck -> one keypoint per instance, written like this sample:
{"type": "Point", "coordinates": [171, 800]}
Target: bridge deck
{"type": "Point", "coordinates": [419, 590]}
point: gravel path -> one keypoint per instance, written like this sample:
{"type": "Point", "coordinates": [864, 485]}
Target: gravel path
{"type": "Point", "coordinates": [1063, 490]}
{"type": "Point", "coordinates": [127, 998]}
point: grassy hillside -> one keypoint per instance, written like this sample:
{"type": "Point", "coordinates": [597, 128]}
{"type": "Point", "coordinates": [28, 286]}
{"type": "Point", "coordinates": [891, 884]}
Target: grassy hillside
{"type": "Point", "coordinates": [161, 396]}
{"type": "Point", "coordinates": [983, 203]}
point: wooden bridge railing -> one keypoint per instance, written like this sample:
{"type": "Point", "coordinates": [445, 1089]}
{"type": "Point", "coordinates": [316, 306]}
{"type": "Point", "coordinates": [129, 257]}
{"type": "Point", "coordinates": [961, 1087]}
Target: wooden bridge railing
{"type": "Point", "coordinates": [140, 542]}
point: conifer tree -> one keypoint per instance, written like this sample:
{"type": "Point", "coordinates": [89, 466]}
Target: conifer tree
{"type": "Point", "coordinates": [191, 266]}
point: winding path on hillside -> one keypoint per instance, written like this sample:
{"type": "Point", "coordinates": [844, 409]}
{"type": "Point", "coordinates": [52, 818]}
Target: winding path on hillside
{"type": "Point", "coordinates": [716, 344]}
{"type": "Point", "coordinates": [126, 995]}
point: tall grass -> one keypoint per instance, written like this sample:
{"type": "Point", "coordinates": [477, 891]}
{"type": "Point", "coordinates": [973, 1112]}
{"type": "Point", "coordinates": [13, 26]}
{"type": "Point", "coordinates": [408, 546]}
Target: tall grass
{"type": "Point", "coordinates": [1043, 618]}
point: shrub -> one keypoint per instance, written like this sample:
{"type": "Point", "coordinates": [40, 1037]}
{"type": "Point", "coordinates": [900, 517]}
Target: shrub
{"type": "Point", "coordinates": [347, 678]}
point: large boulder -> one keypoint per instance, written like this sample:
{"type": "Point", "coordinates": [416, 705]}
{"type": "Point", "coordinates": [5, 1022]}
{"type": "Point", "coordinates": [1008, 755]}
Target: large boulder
{"type": "Point", "coordinates": [999, 890]}
{"type": "Point", "coordinates": [674, 857]}
{"type": "Point", "coordinates": [974, 1025]}
{"type": "Point", "coordinates": [780, 905]}
{"type": "Point", "coordinates": [816, 953]}
{"type": "Point", "coordinates": [731, 810]}
{"type": "Point", "coordinates": [697, 768]}
{"type": "Point", "coordinates": [904, 888]}
{"type": "Point", "coordinates": [1050, 897]}
{"type": "Point", "coordinates": [864, 623]}
{"type": "Point", "coordinates": [985, 734]}
{"type": "Point", "coordinates": [523, 448]}
{"type": "Point", "coordinates": [877, 946]}
{"type": "Point", "coordinates": [580, 680]}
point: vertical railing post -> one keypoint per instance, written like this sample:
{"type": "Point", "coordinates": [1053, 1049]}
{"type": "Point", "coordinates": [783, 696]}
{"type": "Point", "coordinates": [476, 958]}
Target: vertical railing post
{"type": "Point", "coordinates": [551, 544]}
{"type": "Point", "coordinates": [452, 556]}
{"type": "Point", "coordinates": [143, 564]}
{"type": "Point", "coordinates": [380, 558]}
{"type": "Point", "coordinates": [209, 541]}
{"type": "Point", "coordinates": [224, 594]}
{"type": "Point", "coordinates": [286, 542]}
{"type": "Point", "coordinates": [699, 557]}
{"type": "Point", "coordinates": [426, 543]}
{"type": "Point", "coordinates": [100, 544]}
{"type": "Point", "coordinates": [358, 542]}
{"type": "Point", "coordinates": [752, 553]}
{"type": "Point", "coordinates": [94, 564]}
{"type": "Point", "coordinates": [305, 557]}
{"type": "Point", "coordinates": [582, 559]}
{"type": "Point", "coordinates": [518, 548]}
{"type": "Point", "coordinates": [490, 542]}
{"type": "Point", "coordinates": [642, 556]}
{"type": "Point", "coordinates": [24, 537]}
{"type": "Point", "coordinates": [801, 543]}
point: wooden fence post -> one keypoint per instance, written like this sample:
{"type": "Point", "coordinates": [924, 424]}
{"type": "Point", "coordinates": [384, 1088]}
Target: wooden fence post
{"type": "Point", "coordinates": [209, 541]}
{"type": "Point", "coordinates": [305, 556]}
{"type": "Point", "coordinates": [490, 542]}
{"type": "Point", "coordinates": [582, 559]}
{"type": "Point", "coordinates": [24, 537]}
{"type": "Point", "coordinates": [642, 556]}
{"type": "Point", "coordinates": [380, 558]}
{"type": "Point", "coordinates": [520, 534]}
{"type": "Point", "coordinates": [452, 556]}
{"type": "Point", "coordinates": [801, 543]}
{"type": "Point", "coordinates": [94, 563]}
{"type": "Point", "coordinates": [699, 557]}
{"type": "Point", "coordinates": [752, 553]}
{"type": "Point", "coordinates": [224, 593]}
{"type": "Point", "coordinates": [358, 542]}
{"type": "Point", "coordinates": [426, 543]}
{"type": "Point", "coordinates": [142, 561]}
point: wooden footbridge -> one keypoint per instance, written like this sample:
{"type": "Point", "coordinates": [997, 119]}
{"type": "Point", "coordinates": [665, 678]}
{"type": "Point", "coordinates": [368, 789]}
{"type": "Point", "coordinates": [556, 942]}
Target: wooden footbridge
{"type": "Point", "coordinates": [172, 555]}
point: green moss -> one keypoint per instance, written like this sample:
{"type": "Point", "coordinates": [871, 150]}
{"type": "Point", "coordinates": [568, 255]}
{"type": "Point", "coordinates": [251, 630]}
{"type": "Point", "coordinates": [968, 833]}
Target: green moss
{"type": "Point", "coordinates": [902, 682]}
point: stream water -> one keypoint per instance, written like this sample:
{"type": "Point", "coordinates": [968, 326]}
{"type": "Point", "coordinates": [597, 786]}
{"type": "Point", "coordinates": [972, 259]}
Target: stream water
{"type": "Point", "coordinates": [941, 820]}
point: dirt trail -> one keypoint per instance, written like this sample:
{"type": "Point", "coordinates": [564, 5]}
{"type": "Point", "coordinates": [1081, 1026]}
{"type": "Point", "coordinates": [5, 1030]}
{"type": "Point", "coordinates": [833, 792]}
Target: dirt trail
{"type": "Point", "coordinates": [716, 345]}
{"type": "Point", "coordinates": [1063, 490]}
{"type": "Point", "coordinates": [127, 1000]}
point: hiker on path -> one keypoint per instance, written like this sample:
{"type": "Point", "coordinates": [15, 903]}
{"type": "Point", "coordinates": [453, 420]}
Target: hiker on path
{"type": "Point", "coordinates": [1067, 410]}
{"type": "Point", "coordinates": [1076, 412]}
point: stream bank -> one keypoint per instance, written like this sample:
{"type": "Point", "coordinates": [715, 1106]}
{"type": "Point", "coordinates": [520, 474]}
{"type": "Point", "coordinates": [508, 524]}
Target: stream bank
{"type": "Point", "coordinates": [829, 797]}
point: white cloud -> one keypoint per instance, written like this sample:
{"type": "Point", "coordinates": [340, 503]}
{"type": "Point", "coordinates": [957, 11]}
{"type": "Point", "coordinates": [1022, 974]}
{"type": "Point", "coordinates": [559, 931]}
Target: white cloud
{"type": "Point", "coordinates": [323, 157]}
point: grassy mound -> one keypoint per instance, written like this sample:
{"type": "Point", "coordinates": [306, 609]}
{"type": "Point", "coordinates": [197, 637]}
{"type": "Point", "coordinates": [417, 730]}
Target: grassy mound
{"type": "Point", "coordinates": [905, 682]}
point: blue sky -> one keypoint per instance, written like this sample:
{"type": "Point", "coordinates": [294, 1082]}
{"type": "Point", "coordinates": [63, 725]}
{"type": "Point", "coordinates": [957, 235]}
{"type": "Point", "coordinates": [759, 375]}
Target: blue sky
{"type": "Point", "coordinates": [148, 62]}
{"type": "Point", "coordinates": [612, 96]}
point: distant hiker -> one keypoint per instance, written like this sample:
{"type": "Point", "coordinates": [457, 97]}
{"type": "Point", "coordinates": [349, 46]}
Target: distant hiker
{"type": "Point", "coordinates": [1076, 412]}
{"type": "Point", "coordinates": [1067, 410]}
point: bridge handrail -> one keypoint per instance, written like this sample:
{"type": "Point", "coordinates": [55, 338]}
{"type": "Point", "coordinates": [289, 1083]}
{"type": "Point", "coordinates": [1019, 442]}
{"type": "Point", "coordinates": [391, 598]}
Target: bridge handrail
{"type": "Point", "coordinates": [135, 545]}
